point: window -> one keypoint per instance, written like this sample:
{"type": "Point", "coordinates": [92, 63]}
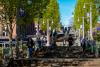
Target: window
{"type": "Point", "coordinates": [5, 32]}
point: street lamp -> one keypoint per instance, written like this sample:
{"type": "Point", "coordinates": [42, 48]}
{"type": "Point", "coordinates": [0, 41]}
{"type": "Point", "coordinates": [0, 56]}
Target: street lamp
{"type": "Point", "coordinates": [80, 32]}
{"type": "Point", "coordinates": [90, 15]}
{"type": "Point", "coordinates": [48, 31]}
{"type": "Point", "coordinates": [82, 24]}
{"type": "Point", "coordinates": [91, 36]}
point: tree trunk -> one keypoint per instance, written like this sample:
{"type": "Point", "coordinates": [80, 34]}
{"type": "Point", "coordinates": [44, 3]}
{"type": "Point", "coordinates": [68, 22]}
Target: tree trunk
{"type": "Point", "coordinates": [10, 43]}
{"type": "Point", "coordinates": [10, 28]}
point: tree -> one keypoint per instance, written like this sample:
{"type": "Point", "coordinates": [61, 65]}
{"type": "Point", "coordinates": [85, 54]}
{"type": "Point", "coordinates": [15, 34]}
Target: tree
{"type": "Point", "coordinates": [81, 12]}
{"type": "Point", "coordinates": [39, 10]}
{"type": "Point", "coordinates": [10, 16]}
{"type": "Point", "coordinates": [52, 14]}
{"type": "Point", "coordinates": [33, 11]}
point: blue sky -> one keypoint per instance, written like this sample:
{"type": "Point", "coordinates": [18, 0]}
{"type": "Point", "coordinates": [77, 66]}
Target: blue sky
{"type": "Point", "coordinates": [66, 9]}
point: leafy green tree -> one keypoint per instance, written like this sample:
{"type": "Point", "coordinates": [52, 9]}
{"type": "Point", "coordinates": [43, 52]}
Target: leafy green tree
{"type": "Point", "coordinates": [10, 14]}
{"type": "Point", "coordinates": [81, 12]}
{"type": "Point", "coordinates": [10, 9]}
{"type": "Point", "coordinates": [34, 10]}
{"type": "Point", "coordinates": [52, 14]}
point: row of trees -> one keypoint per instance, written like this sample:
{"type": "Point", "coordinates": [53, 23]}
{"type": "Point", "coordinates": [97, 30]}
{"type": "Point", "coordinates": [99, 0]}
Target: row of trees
{"type": "Point", "coordinates": [39, 11]}
{"type": "Point", "coordinates": [81, 12]}
{"type": "Point", "coordinates": [52, 13]}
{"type": "Point", "coordinates": [25, 12]}
{"type": "Point", "coordinates": [29, 11]}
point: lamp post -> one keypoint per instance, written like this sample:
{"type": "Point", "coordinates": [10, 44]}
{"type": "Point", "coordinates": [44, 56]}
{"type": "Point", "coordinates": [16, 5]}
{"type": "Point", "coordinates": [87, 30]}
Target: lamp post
{"type": "Point", "coordinates": [91, 36]}
{"type": "Point", "coordinates": [79, 32]}
{"type": "Point", "coordinates": [48, 34]}
{"type": "Point", "coordinates": [82, 25]}
{"type": "Point", "coordinates": [93, 43]}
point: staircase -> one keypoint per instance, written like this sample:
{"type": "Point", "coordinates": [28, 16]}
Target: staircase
{"type": "Point", "coordinates": [59, 52]}
{"type": "Point", "coordinates": [58, 62]}
{"type": "Point", "coordinates": [55, 57]}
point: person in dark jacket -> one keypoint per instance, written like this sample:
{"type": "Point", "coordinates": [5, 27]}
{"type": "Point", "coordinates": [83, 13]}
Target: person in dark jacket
{"type": "Point", "coordinates": [39, 42]}
{"type": "Point", "coordinates": [11, 63]}
{"type": "Point", "coordinates": [30, 45]}
{"type": "Point", "coordinates": [70, 40]}
{"type": "Point", "coordinates": [84, 44]}
{"type": "Point", "coordinates": [54, 34]}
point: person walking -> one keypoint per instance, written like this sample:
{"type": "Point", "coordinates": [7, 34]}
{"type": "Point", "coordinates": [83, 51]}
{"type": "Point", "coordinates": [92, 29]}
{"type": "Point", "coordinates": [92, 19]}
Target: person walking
{"type": "Point", "coordinates": [11, 63]}
{"type": "Point", "coordinates": [30, 45]}
{"type": "Point", "coordinates": [39, 42]}
{"type": "Point", "coordinates": [85, 46]}
{"type": "Point", "coordinates": [70, 40]}
{"type": "Point", "coordinates": [54, 34]}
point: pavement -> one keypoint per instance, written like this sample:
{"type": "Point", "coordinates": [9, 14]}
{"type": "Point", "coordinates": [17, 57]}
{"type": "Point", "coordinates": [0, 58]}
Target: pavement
{"type": "Point", "coordinates": [62, 62]}
{"type": "Point", "coordinates": [92, 63]}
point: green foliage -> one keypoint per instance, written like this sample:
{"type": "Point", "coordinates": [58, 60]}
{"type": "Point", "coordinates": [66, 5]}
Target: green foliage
{"type": "Point", "coordinates": [35, 10]}
{"type": "Point", "coordinates": [10, 8]}
{"type": "Point", "coordinates": [52, 14]}
{"type": "Point", "coordinates": [81, 12]}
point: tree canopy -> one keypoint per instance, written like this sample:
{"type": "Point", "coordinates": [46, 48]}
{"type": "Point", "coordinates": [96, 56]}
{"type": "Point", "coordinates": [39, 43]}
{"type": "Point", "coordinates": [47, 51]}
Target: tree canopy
{"type": "Point", "coordinates": [52, 14]}
{"type": "Point", "coordinates": [28, 11]}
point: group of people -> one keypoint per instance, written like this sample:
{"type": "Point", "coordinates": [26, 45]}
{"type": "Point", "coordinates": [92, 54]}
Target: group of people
{"type": "Point", "coordinates": [85, 43]}
{"type": "Point", "coordinates": [34, 45]}
{"type": "Point", "coordinates": [88, 45]}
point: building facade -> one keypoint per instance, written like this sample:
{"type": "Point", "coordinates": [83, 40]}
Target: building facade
{"type": "Point", "coordinates": [17, 30]}
{"type": "Point", "coordinates": [25, 30]}
{"type": "Point", "coordinates": [4, 26]}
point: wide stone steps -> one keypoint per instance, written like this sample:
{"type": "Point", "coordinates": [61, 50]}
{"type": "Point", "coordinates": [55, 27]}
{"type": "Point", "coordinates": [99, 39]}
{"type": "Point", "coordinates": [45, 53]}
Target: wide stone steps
{"type": "Point", "coordinates": [60, 52]}
{"type": "Point", "coordinates": [59, 62]}
{"type": "Point", "coordinates": [54, 57]}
